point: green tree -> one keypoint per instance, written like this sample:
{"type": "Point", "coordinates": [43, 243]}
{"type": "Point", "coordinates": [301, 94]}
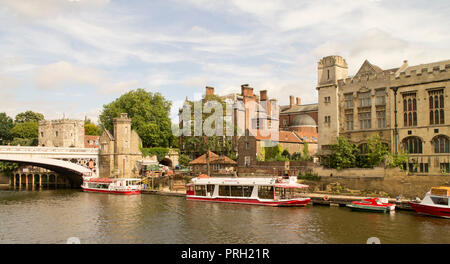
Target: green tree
{"type": "Point", "coordinates": [91, 129]}
{"type": "Point", "coordinates": [6, 124]}
{"type": "Point", "coordinates": [306, 152]}
{"type": "Point", "coordinates": [377, 151]}
{"type": "Point", "coordinates": [149, 113]}
{"type": "Point", "coordinates": [29, 116]}
{"type": "Point", "coordinates": [184, 160]}
{"type": "Point", "coordinates": [344, 155]}
{"type": "Point", "coordinates": [286, 154]}
{"type": "Point", "coordinates": [27, 130]}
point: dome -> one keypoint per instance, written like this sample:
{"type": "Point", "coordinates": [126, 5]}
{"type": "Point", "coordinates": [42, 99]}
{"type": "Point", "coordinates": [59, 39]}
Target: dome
{"type": "Point", "coordinates": [303, 120]}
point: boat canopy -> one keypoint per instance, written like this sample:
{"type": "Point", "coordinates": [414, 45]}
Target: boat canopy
{"type": "Point", "coordinates": [277, 182]}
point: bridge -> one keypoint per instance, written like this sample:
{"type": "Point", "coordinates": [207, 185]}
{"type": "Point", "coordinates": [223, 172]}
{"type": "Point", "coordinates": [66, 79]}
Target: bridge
{"type": "Point", "coordinates": [73, 162]}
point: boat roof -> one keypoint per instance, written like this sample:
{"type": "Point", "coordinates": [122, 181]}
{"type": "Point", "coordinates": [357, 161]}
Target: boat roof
{"type": "Point", "coordinates": [249, 181]}
{"type": "Point", "coordinates": [106, 180]}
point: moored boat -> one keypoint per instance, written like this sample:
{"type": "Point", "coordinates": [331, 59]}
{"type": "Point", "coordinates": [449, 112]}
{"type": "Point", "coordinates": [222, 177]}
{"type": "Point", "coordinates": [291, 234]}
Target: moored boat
{"type": "Point", "coordinates": [435, 203]}
{"type": "Point", "coordinates": [258, 191]}
{"type": "Point", "coordinates": [372, 204]}
{"type": "Point", "coordinates": [112, 185]}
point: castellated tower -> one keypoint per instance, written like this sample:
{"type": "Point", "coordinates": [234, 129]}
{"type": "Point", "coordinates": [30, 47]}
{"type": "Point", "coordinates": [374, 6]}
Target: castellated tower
{"type": "Point", "coordinates": [120, 152]}
{"type": "Point", "coordinates": [330, 70]}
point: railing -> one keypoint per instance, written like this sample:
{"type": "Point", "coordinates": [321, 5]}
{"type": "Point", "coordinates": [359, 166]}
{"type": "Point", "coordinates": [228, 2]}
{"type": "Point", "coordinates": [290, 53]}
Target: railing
{"type": "Point", "coordinates": [28, 149]}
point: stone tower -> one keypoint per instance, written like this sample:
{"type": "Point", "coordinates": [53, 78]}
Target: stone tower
{"type": "Point", "coordinates": [120, 152]}
{"type": "Point", "coordinates": [330, 70]}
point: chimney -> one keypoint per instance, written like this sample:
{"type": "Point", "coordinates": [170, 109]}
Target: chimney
{"type": "Point", "coordinates": [291, 101]}
{"type": "Point", "coordinates": [299, 102]}
{"type": "Point", "coordinates": [209, 90]}
{"type": "Point", "coordinates": [246, 90]}
{"type": "Point", "coordinates": [263, 95]}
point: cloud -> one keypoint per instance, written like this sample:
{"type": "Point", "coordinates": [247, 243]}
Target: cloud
{"type": "Point", "coordinates": [48, 8]}
{"type": "Point", "coordinates": [56, 75]}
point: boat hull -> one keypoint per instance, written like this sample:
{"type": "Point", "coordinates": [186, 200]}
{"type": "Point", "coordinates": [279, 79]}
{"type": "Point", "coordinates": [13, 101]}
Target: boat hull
{"type": "Point", "coordinates": [430, 210]}
{"type": "Point", "coordinates": [126, 192]}
{"type": "Point", "coordinates": [288, 203]}
{"type": "Point", "coordinates": [368, 208]}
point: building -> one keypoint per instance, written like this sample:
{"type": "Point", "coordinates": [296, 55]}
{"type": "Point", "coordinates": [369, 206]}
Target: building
{"type": "Point", "coordinates": [218, 164]}
{"type": "Point", "coordinates": [251, 147]}
{"type": "Point", "coordinates": [247, 110]}
{"type": "Point", "coordinates": [119, 152]}
{"type": "Point", "coordinates": [91, 141]}
{"type": "Point", "coordinates": [61, 133]}
{"type": "Point", "coordinates": [408, 107]}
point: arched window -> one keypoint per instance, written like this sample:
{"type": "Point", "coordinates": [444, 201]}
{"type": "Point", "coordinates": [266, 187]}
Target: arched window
{"type": "Point", "coordinates": [436, 116]}
{"type": "Point", "coordinates": [405, 106]}
{"type": "Point", "coordinates": [414, 104]}
{"type": "Point", "coordinates": [410, 119]}
{"type": "Point", "coordinates": [409, 105]}
{"type": "Point", "coordinates": [436, 101]}
{"type": "Point", "coordinates": [431, 102]}
{"type": "Point", "coordinates": [363, 148]}
{"type": "Point", "coordinates": [412, 145]}
{"type": "Point", "coordinates": [405, 119]}
{"type": "Point", "coordinates": [441, 99]}
{"type": "Point", "coordinates": [442, 120]}
{"type": "Point", "coordinates": [441, 144]}
{"type": "Point", "coordinates": [431, 117]}
{"type": "Point", "coordinates": [414, 118]}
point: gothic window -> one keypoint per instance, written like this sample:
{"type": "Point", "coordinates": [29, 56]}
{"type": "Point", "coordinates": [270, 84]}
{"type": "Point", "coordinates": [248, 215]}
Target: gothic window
{"type": "Point", "coordinates": [381, 118]}
{"type": "Point", "coordinates": [349, 121]}
{"type": "Point", "coordinates": [364, 99]}
{"type": "Point", "coordinates": [365, 120]}
{"type": "Point", "coordinates": [436, 104]}
{"type": "Point", "coordinates": [412, 145]}
{"type": "Point", "coordinates": [441, 144]}
{"type": "Point", "coordinates": [348, 100]}
{"type": "Point", "coordinates": [410, 110]}
{"type": "Point", "coordinates": [380, 97]}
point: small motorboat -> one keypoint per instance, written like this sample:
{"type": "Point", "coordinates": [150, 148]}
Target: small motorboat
{"type": "Point", "coordinates": [435, 202]}
{"type": "Point", "coordinates": [381, 205]}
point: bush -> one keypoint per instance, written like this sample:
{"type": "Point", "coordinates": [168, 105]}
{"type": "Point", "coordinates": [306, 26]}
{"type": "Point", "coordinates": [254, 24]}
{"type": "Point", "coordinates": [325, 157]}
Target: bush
{"type": "Point", "coordinates": [308, 176]}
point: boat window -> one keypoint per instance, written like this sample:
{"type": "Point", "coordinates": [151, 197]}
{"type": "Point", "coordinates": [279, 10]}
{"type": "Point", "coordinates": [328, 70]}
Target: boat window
{"type": "Point", "coordinates": [200, 190]}
{"type": "Point", "coordinates": [224, 190]}
{"type": "Point", "coordinates": [247, 190]}
{"type": "Point", "coordinates": [210, 189]}
{"type": "Point", "coordinates": [265, 192]}
{"type": "Point", "coordinates": [439, 200]}
{"type": "Point", "coordinates": [236, 191]}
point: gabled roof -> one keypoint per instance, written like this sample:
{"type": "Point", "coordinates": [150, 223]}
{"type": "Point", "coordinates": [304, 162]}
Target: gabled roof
{"type": "Point", "coordinates": [285, 109]}
{"type": "Point", "coordinates": [108, 134]}
{"type": "Point", "coordinates": [368, 68]}
{"type": "Point", "coordinates": [213, 159]}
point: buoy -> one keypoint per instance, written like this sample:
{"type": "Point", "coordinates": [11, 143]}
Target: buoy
{"type": "Point", "coordinates": [326, 198]}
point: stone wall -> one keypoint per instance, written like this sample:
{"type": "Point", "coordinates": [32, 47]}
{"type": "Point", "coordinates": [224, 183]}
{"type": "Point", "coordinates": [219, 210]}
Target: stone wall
{"type": "Point", "coordinates": [392, 182]}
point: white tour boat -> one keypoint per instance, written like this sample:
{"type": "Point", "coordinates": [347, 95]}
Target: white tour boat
{"type": "Point", "coordinates": [259, 191]}
{"type": "Point", "coordinates": [112, 185]}
{"type": "Point", "coordinates": [435, 202]}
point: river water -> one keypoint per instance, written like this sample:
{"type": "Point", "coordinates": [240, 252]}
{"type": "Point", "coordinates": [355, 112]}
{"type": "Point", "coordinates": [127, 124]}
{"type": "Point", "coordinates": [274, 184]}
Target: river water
{"type": "Point", "coordinates": [53, 216]}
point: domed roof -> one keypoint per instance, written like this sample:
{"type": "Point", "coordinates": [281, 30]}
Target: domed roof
{"type": "Point", "coordinates": [303, 120]}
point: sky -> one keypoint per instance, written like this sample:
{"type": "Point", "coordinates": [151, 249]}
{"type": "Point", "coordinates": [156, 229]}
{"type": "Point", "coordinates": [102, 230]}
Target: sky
{"type": "Point", "coordinates": [68, 58]}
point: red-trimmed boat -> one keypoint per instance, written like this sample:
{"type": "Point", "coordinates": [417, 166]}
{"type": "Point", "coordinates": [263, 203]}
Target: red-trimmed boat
{"type": "Point", "coordinates": [372, 204]}
{"type": "Point", "coordinates": [435, 203]}
{"type": "Point", "coordinates": [259, 191]}
{"type": "Point", "coordinates": [112, 185]}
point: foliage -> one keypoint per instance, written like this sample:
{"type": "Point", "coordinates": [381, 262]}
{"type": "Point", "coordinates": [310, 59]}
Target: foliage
{"type": "Point", "coordinates": [377, 151]}
{"type": "Point", "coordinates": [296, 156]}
{"type": "Point", "coordinates": [8, 166]}
{"type": "Point", "coordinates": [91, 129]}
{"type": "Point", "coordinates": [29, 116]}
{"type": "Point", "coordinates": [184, 160]}
{"type": "Point", "coordinates": [149, 113]}
{"type": "Point", "coordinates": [26, 130]}
{"type": "Point", "coordinates": [286, 154]}
{"type": "Point", "coordinates": [195, 146]}
{"type": "Point", "coordinates": [308, 176]}
{"type": "Point", "coordinates": [306, 151]}
{"type": "Point", "coordinates": [6, 124]}
{"type": "Point", "coordinates": [344, 155]}
{"type": "Point", "coordinates": [397, 160]}
{"type": "Point", "coordinates": [24, 142]}
{"type": "Point", "coordinates": [158, 151]}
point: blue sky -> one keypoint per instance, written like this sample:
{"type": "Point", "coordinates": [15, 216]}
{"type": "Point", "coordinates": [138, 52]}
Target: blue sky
{"type": "Point", "coordinates": [70, 57]}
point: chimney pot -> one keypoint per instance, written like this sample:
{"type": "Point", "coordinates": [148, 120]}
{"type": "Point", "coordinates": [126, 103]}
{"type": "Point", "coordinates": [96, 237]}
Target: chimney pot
{"type": "Point", "coordinates": [291, 101]}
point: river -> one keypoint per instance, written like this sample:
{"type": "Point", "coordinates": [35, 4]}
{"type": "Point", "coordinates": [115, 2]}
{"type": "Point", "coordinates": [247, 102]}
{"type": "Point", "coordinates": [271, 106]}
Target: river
{"type": "Point", "coordinates": [53, 216]}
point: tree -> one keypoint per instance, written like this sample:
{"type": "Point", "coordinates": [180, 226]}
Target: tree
{"type": "Point", "coordinates": [91, 129]}
{"type": "Point", "coordinates": [27, 130]}
{"type": "Point", "coordinates": [306, 152]}
{"type": "Point", "coordinates": [344, 155]}
{"type": "Point", "coordinates": [149, 113]}
{"type": "Point", "coordinates": [6, 124]}
{"type": "Point", "coordinates": [184, 160]}
{"type": "Point", "coordinates": [377, 151]}
{"type": "Point", "coordinates": [286, 154]}
{"type": "Point", "coordinates": [29, 116]}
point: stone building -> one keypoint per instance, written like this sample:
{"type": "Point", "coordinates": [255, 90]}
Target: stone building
{"type": "Point", "coordinates": [119, 152]}
{"type": "Point", "coordinates": [408, 107]}
{"type": "Point", "coordinates": [218, 164]}
{"type": "Point", "coordinates": [61, 133]}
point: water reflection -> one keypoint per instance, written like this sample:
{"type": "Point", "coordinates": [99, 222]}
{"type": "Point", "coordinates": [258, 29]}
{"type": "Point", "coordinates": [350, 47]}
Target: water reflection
{"type": "Point", "coordinates": [52, 216]}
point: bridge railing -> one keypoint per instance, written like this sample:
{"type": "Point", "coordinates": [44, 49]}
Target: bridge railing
{"type": "Point", "coordinates": [28, 149]}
